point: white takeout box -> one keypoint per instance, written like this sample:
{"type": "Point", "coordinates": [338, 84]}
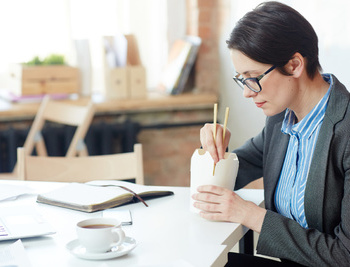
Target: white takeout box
{"type": "Point", "coordinates": [202, 166]}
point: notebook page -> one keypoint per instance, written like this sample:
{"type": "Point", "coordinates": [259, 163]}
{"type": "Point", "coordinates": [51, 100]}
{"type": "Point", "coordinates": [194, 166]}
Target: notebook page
{"type": "Point", "coordinates": [137, 188]}
{"type": "Point", "coordinates": [82, 194]}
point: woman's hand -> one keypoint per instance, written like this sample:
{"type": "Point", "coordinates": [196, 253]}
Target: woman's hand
{"type": "Point", "coordinates": [220, 204]}
{"type": "Point", "coordinates": [216, 149]}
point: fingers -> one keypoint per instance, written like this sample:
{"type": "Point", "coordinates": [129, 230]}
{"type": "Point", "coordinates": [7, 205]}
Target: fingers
{"type": "Point", "coordinates": [227, 138]}
{"type": "Point", "coordinates": [211, 211]}
{"type": "Point", "coordinates": [221, 144]}
{"type": "Point", "coordinates": [216, 149]}
{"type": "Point", "coordinates": [206, 197]}
{"type": "Point", "coordinates": [207, 202]}
{"type": "Point", "coordinates": [220, 147]}
{"type": "Point", "coordinates": [213, 189]}
{"type": "Point", "coordinates": [207, 141]}
{"type": "Point", "coordinates": [220, 204]}
{"type": "Point", "coordinates": [209, 207]}
{"type": "Point", "coordinates": [213, 216]}
{"type": "Point", "coordinates": [214, 202]}
{"type": "Point", "coordinates": [209, 197]}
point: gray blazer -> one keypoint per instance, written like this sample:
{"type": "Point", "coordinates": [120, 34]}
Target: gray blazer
{"type": "Point", "coordinates": [327, 193]}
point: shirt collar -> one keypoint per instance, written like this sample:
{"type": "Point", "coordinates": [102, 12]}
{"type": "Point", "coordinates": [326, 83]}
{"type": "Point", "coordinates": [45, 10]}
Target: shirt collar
{"type": "Point", "coordinates": [307, 125]}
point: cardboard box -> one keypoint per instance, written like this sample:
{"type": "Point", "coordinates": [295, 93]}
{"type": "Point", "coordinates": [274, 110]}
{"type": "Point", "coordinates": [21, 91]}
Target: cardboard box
{"type": "Point", "coordinates": [136, 81]}
{"type": "Point", "coordinates": [33, 80]}
{"type": "Point", "coordinates": [116, 83]}
{"type": "Point", "coordinates": [130, 81]}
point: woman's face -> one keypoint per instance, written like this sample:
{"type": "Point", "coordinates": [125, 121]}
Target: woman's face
{"type": "Point", "coordinates": [277, 92]}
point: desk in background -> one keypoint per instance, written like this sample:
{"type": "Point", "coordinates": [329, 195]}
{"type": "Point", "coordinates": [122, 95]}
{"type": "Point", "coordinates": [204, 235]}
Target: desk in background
{"type": "Point", "coordinates": [167, 126]}
{"type": "Point", "coordinates": [153, 103]}
{"type": "Point", "coordinates": [167, 233]}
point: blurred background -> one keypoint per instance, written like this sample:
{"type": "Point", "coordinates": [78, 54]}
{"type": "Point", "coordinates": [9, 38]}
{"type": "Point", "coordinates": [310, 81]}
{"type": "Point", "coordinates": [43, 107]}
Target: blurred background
{"type": "Point", "coordinates": [30, 28]}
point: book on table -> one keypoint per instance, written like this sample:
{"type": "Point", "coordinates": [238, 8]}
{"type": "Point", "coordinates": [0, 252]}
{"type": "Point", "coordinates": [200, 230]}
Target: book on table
{"type": "Point", "coordinates": [99, 195]}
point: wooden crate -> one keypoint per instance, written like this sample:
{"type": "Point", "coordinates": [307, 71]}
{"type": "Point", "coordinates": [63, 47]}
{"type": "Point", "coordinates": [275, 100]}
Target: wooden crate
{"type": "Point", "coordinates": [33, 80]}
{"type": "Point", "coordinates": [116, 83]}
{"type": "Point", "coordinates": [127, 82]}
{"type": "Point", "coordinates": [136, 76]}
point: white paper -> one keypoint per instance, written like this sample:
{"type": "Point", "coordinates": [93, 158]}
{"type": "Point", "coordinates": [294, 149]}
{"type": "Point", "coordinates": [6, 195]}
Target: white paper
{"type": "Point", "coordinates": [110, 55]}
{"type": "Point", "coordinates": [10, 192]}
{"type": "Point", "coordinates": [137, 188]}
{"type": "Point", "coordinates": [23, 221]}
{"type": "Point", "coordinates": [14, 255]}
{"type": "Point", "coordinates": [120, 49]}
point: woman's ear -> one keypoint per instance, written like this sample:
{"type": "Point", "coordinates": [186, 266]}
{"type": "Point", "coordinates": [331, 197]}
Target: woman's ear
{"type": "Point", "coordinates": [295, 65]}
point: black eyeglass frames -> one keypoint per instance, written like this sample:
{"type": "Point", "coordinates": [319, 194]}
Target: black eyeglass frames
{"type": "Point", "coordinates": [252, 83]}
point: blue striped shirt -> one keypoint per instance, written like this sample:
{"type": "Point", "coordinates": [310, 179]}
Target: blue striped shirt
{"type": "Point", "coordinates": [289, 196]}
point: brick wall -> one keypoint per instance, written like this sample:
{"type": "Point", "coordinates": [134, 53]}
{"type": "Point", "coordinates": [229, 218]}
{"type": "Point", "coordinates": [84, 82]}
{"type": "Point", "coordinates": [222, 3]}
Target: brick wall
{"type": "Point", "coordinates": [206, 18]}
{"type": "Point", "coordinates": [167, 154]}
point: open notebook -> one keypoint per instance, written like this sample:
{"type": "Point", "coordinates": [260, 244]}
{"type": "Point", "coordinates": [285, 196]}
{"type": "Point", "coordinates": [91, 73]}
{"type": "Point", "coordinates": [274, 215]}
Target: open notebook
{"type": "Point", "coordinates": [22, 222]}
{"type": "Point", "coordinates": [100, 195]}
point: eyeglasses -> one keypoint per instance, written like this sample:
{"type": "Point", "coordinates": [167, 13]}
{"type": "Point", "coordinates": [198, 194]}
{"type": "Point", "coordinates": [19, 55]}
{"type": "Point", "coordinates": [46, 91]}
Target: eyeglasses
{"type": "Point", "coordinates": [252, 83]}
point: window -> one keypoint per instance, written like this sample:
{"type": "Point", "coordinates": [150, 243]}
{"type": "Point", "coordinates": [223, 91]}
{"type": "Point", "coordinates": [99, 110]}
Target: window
{"type": "Point", "coordinates": [31, 28]}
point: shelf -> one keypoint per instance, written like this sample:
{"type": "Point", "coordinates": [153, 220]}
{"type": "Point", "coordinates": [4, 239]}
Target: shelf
{"type": "Point", "coordinates": [153, 103]}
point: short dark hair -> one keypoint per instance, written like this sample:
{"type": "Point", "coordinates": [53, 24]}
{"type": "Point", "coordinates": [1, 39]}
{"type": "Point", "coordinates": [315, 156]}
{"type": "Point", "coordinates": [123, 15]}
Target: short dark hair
{"type": "Point", "coordinates": [272, 33]}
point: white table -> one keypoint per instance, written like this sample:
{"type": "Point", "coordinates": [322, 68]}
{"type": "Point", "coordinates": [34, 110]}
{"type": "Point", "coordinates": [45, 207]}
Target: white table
{"type": "Point", "coordinates": [167, 233]}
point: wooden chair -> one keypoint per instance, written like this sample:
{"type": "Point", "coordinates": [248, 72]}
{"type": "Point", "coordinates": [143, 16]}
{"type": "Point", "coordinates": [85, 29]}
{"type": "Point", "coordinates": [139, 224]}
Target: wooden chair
{"type": "Point", "coordinates": [62, 113]}
{"type": "Point", "coordinates": [81, 169]}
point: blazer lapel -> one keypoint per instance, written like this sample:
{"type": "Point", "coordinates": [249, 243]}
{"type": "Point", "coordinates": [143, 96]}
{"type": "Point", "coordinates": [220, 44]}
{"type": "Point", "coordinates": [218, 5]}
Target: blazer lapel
{"type": "Point", "coordinates": [315, 186]}
{"type": "Point", "coordinates": [274, 161]}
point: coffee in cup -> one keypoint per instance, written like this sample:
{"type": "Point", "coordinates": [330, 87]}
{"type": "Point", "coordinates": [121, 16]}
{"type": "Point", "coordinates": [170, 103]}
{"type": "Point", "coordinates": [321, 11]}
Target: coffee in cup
{"type": "Point", "coordinates": [98, 235]}
{"type": "Point", "coordinates": [98, 226]}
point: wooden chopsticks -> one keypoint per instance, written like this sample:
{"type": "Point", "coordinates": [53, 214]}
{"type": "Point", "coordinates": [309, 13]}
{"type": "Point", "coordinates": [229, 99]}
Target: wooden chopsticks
{"type": "Point", "coordinates": [214, 129]}
{"type": "Point", "coordinates": [214, 126]}
{"type": "Point", "coordinates": [225, 123]}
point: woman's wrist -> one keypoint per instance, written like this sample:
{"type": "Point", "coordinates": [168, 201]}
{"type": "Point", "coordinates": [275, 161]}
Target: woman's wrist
{"type": "Point", "coordinates": [254, 217]}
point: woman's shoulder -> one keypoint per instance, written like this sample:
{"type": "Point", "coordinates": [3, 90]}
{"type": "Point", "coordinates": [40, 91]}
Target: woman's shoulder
{"type": "Point", "coordinates": [338, 107]}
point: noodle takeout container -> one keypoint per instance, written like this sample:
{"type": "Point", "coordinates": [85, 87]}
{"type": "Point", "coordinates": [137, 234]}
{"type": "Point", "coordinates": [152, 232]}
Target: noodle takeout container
{"type": "Point", "coordinates": [202, 166]}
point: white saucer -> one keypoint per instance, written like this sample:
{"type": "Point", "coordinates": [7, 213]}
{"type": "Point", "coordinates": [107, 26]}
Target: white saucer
{"type": "Point", "coordinates": [78, 250]}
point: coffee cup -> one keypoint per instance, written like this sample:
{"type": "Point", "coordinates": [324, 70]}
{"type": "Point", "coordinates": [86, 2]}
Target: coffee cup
{"type": "Point", "coordinates": [202, 172]}
{"type": "Point", "coordinates": [98, 235]}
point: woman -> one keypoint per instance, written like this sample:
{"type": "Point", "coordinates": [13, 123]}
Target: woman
{"type": "Point", "coordinates": [303, 152]}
